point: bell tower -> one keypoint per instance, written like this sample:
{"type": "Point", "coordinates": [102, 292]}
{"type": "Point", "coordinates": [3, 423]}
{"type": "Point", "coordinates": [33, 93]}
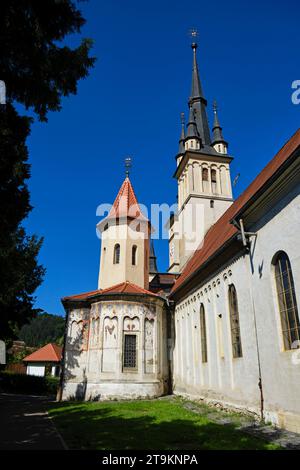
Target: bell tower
{"type": "Point", "coordinates": [203, 177]}
{"type": "Point", "coordinates": [125, 234]}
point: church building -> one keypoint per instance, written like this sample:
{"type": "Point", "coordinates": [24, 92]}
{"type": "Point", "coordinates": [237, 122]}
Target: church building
{"type": "Point", "coordinates": [222, 324]}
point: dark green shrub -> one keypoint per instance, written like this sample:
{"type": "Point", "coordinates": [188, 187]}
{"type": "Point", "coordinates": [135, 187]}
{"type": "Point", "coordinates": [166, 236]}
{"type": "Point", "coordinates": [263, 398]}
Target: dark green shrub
{"type": "Point", "coordinates": [28, 384]}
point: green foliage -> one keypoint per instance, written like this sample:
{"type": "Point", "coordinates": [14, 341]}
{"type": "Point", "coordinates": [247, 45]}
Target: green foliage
{"type": "Point", "coordinates": [42, 330]}
{"type": "Point", "coordinates": [28, 384]}
{"type": "Point", "coordinates": [17, 357]}
{"type": "Point", "coordinates": [20, 272]}
{"type": "Point", "coordinates": [38, 70]}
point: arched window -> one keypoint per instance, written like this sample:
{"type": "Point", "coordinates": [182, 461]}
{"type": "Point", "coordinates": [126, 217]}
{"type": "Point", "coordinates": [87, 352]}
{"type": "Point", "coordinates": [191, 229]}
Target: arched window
{"type": "Point", "coordinates": [234, 322]}
{"type": "Point", "coordinates": [287, 300]}
{"type": "Point", "coordinates": [214, 181]}
{"type": "Point", "coordinates": [133, 255]}
{"type": "Point", "coordinates": [205, 187]}
{"type": "Point", "coordinates": [117, 254]}
{"type": "Point", "coordinates": [203, 334]}
{"type": "Point", "coordinates": [205, 174]}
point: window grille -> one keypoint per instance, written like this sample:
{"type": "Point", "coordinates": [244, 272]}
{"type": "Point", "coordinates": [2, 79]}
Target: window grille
{"type": "Point", "coordinates": [287, 301]}
{"type": "Point", "coordinates": [129, 352]}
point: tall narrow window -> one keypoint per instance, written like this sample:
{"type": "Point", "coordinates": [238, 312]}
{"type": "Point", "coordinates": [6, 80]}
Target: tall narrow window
{"type": "Point", "coordinates": [214, 181]}
{"type": "Point", "coordinates": [133, 255]}
{"type": "Point", "coordinates": [117, 254]}
{"type": "Point", "coordinates": [205, 180]}
{"type": "Point", "coordinates": [287, 300]}
{"type": "Point", "coordinates": [203, 334]}
{"type": "Point", "coordinates": [129, 357]}
{"type": "Point", "coordinates": [234, 322]}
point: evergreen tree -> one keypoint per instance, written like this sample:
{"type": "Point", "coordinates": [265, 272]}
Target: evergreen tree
{"type": "Point", "coordinates": [42, 330]}
{"type": "Point", "coordinates": [38, 70]}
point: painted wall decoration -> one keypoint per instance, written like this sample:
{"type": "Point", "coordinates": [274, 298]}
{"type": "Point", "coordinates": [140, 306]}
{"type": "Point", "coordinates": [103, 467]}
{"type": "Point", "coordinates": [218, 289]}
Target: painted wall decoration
{"type": "Point", "coordinates": [94, 339]}
{"type": "Point", "coordinates": [110, 344]}
{"type": "Point", "coordinates": [75, 338]}
{"type": "Point", "coordinates": [149, 346]}
{"type": "Point", "coordinates": [131, 324]}
{"type": "Point", "coordinates": [85, 334]}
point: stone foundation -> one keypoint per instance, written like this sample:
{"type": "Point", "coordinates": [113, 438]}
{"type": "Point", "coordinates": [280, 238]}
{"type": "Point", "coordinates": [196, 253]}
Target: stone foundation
{"type": "Point", "coordinates": [112, 390]}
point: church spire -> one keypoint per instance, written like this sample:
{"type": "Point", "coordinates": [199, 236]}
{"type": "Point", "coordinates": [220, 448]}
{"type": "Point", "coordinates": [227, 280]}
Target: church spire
{"type": "Point", "coordinates": [219, 143]}
{"type": "Point", "coordinates": [196, 91]}
{"type": "Point", "coordinates": [198, 102]}
{"type": "Point", "coordinates": [152, 260]}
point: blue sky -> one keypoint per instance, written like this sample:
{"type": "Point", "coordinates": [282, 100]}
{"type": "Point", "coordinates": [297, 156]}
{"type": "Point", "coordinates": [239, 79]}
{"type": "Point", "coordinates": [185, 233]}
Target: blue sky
{"type": "Point", "coordinates": [130, 104]}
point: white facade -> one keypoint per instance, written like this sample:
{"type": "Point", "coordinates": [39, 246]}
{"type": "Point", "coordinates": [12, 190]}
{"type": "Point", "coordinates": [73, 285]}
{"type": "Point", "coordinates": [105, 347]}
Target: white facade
{"type": "Point", "coordinates": [275, 219]}
{"type": "Point", "coordinates": [35, 369]}
{"type": "Point", "coordinates": [95, 366]}
{"type": "Point", "coordinates": [39, 369]}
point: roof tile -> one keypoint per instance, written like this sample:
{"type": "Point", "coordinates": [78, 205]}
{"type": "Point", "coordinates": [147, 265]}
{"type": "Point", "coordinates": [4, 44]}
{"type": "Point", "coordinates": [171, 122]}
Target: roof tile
{"type": "Point", "coordinates": [123, 287]}
{"type": "Point", "coordinates": [49, 353]}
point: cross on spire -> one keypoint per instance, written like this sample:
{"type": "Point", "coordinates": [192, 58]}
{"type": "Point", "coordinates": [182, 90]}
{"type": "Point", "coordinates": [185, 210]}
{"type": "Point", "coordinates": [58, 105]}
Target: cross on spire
{"type": "Point", "coordinates": [193, 33]}
{"type": "Point", "coordinates": [128, 165]}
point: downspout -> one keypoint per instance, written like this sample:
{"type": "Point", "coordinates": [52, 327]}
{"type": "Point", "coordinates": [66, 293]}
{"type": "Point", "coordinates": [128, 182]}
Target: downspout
{"type": "Point", "coordinates": [247, 244]}
{"type": "Point", "coordinates": [170, 342]}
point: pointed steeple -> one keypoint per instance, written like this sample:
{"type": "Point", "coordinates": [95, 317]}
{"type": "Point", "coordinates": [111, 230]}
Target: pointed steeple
{"type": "Point", "coordinates": [199, 103]}
{"type": "Point", "coordinates": [126, 204]}
{"type": "Point", "coordinates": [217, 129]}
{"type": "Point", "coordinates": [192, 131]}
{"type": "Point", "coordinates": [152, 260]}
{"type": "Point", "coordinates": [182, 136]}
{"type": "Point", "coordinates": [196, 91]}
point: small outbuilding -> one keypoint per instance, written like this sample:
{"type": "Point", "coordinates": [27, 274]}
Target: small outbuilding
{"type": "Point", "coordinates": [44, 361]}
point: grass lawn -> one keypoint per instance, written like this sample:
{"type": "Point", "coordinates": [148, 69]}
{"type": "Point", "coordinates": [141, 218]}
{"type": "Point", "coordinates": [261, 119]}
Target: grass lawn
{"type": "Point", "coordinates": [146, 425]}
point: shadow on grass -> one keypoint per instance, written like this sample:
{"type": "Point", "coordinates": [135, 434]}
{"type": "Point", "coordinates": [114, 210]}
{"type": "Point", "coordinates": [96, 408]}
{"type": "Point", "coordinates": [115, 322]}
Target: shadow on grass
{"type": "Point", "coordinates": [113, 426]}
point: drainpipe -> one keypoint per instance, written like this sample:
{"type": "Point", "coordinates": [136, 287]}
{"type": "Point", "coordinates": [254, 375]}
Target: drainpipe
{"type": "Point", "coordinates": [245, 236]}
{"type": "Point", "coordinates": [170, 342]}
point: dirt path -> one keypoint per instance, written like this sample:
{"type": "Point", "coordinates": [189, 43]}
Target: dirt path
{"type": "Point", "coordinates": [25, 424]}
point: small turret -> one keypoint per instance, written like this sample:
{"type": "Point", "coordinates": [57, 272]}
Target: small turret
{"type": "Point", "coordinates": [181, 149]}
{"type": "Point", "coordinates": [218, 142]}
{"type": "Point", "coordinates": [193, 140]}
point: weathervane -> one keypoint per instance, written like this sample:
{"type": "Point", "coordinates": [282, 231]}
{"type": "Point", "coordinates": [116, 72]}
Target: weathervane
{"type": "Point", "coordinates": [193, 33]}
{"type": "Point", "coordinates": [128, 165]}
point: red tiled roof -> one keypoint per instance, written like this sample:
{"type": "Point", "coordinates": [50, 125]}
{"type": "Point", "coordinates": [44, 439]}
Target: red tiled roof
{"type": "Point", "coordinates": [123, 287]}
{"type": "Point", "coordinates": [223, 230]}
{"type": "Point", "coordinates": [126, 204]}
{"type": "Point", "coordinates": [49, 353]}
